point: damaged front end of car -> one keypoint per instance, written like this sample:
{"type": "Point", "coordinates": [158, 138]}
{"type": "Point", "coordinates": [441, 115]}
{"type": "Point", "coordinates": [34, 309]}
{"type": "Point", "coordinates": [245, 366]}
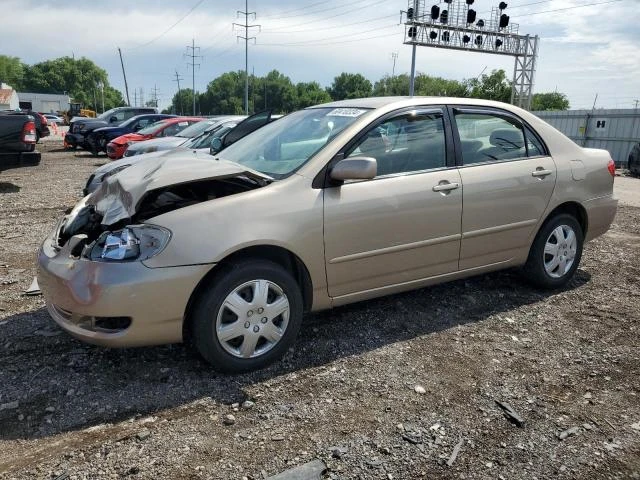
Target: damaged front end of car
{"type": "Point", "coordinates": [111, 224]}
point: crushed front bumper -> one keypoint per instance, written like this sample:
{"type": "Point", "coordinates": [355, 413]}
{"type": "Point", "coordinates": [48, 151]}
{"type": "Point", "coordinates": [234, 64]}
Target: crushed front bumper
{"type": "Point", "coordinates": [115, 304]}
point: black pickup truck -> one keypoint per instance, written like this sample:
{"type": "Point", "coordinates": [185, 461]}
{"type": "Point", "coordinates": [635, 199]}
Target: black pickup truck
{"type": "Point", "coordinates": [17, 140]}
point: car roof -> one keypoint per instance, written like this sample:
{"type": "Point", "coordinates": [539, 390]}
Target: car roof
{"type": "Point", "coordinates": [406, 101]}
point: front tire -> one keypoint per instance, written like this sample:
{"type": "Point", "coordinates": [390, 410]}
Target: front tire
{"type": "Point", "coordinates": [247, 316]}
{"type": "Point", "coordinates": [556, 252]}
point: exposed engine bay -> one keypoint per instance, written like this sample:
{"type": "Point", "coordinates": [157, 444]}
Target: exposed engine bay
{"type": "Point", "coordinates": [100, 224]}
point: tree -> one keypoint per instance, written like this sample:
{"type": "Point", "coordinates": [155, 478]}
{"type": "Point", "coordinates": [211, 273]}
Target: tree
{"type": "Point", "coordinates": [182, 102]}
{"type": "Point", "coordinates": [79, 78]}
{"type": "Point", "coordinates": [224, 95]}
{"type": "Point", "coordinates": [11, 71]}
{"type": "Point", "coordinates": [275, 91]}
{"type": "Point", "coordinates": [549, 101]}
{"type": "Point", "coordinates": [425, 85]}
{"type": "Point", "coordinates": [310, 93]}
{"type": "Point", "coordinates": [494, 86]}
{"type": "Point", "coordinates": [349, 85]}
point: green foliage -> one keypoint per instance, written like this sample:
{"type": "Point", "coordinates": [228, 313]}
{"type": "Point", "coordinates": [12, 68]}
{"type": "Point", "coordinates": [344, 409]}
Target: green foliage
{"type": "Point", "coordinates": [11, 71]}
{"type": "Point", "coordinates": [349, 85]}
{"type": "Point", "coordinates": [224, 95]}
{"type": "Point", "coordinates": [182, 104]}
{"type": "Point", "coordinates": [311, 93]}
{"type": "Point", "coordinates": [549, 101]}
{"type": "Point", "coordinates": [494, 86]}
{"type": "Point", "coordinates": [425, 85]}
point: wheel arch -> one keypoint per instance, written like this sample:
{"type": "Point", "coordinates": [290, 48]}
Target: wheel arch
{"type": "Point", "coordinates": [277, 254]}
{"type": "Point", "coordinates": [572, 208]}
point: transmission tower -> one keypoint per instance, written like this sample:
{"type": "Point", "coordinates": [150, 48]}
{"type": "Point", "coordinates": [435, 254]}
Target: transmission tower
{"type": "Point", "coordinates": [246, 39]}
{"type": "Point", "coordinates": [394, 57]}
{"type": "Point", "coordinates": [177, 79]}
{"type": "Point", "coordinates": [193, 55]}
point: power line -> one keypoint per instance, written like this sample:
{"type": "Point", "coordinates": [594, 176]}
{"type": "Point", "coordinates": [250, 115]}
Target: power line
{"type": "Point", "coordinates": [317, 11]}
{"type": "Point", "coordinates": [193, 65]}
{"type": "Point", "coordinates": [342, 25]}
{"type": "Point", "coordinates": [171, 27]}
{"type": "Point", "coordinates": [306, 42]}
{"type": "Point", "coordinates": [246, 39]}
{"type": "Point", "coordinates": [334, 16]}
{"type": "Point", "coordinates": [323, 43]}
{"type": "Point", "coordinates": [568, 8]}
{"type": "Point", "coordinates": [294, 10]}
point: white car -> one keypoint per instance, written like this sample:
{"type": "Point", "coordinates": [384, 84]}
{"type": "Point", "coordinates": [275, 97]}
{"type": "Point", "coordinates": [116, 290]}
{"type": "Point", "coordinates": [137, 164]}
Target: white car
{"type": "Point", "coordinates": [53, 119]}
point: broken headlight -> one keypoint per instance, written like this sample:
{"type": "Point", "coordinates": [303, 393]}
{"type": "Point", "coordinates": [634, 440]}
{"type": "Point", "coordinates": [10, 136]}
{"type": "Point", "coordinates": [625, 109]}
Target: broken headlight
{"type": "Point", "coordinates": [135, 242]}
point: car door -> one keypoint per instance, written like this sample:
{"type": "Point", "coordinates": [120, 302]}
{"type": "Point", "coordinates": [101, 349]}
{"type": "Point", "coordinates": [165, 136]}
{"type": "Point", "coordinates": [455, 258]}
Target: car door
{"type": "Point", "coordinates": [404, 224]}
{"type": "Point", "coordinates": [508, 179]}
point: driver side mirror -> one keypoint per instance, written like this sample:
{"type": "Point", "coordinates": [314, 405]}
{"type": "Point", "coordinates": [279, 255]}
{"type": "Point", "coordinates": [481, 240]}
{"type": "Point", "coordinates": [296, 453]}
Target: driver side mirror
{"type": "Point", "coordinates": [216, 145]}
{"type": "Point", "coordinates": [356, 168]}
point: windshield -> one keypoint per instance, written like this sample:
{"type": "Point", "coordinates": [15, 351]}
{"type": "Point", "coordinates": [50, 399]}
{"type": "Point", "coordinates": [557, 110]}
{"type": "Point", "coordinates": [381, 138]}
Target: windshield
{"type": "Point", "coordinates": [204, 140]}
{"type": "Point", "coordinates": [196, 129]}
{"type": "Point", "coordinates": [153, 128]}
{"type": "Point", "coordinates": [281, 147]}
{"type": "Point", "coordinates": [106, 115]}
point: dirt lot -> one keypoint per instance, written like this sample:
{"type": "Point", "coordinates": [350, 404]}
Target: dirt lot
{"type": "Point", "coordinates": [349, 392]}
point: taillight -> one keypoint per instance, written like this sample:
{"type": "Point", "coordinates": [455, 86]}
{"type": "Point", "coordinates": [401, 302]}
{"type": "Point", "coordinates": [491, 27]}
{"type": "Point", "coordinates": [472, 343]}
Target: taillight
{"type": "Point", "coordinates": [29, 132]}
{"type": "Point", "coordinates": [611, 166]}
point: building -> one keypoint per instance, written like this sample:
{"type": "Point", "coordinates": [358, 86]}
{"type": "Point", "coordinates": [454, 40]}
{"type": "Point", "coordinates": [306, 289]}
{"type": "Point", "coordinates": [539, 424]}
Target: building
{"type": "Point", "coordinates": [615, 130]}
{"type": "Point", "coordinates": [44, 102]}
{"type": "Point", "coordinates": [8, 98]}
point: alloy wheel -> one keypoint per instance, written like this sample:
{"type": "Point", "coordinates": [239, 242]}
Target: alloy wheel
{"type": "Point", "coordinates": [560, 251]}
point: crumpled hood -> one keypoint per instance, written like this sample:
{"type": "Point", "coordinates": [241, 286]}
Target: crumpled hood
{"type": "Point", "coordinates": [119, 195]}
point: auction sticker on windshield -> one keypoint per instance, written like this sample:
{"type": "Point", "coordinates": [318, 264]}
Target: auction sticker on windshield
{"type": "Point", "coordinates": [345, 112]}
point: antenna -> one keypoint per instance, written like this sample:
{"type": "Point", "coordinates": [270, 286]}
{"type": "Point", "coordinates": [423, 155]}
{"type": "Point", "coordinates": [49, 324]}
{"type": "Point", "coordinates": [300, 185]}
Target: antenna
{"type": "Point", "coordinates": [246, 39]}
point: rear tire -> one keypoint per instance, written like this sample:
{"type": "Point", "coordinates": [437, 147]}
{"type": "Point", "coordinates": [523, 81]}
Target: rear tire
{"type": "Point", "coordinates": [247, 316]}
{"type": "Point", "coordinates": [556, 252]}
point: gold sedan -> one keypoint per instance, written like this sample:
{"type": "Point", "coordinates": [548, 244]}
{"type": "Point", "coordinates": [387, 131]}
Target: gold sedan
{"type": "Point", "coordinates": [326, 206]}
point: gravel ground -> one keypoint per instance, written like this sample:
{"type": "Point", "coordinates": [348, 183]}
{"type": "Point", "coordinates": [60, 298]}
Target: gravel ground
{"type": "Point", "coordinates": [389, 388]}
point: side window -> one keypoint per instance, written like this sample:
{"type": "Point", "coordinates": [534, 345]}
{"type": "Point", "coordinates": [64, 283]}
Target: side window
{"type": "Point", "coordinates": [143, 123]}
{"type": "Point", "coordinates": [120, 116]}
{"type": "Point", "coordinates": [487, 138]}
{"type": "Point", "coordinates": [128, 114]}
{"type": "Point", "coordinates": [534, 147]}
{"type": "Point", "coordinates": [408, 143]}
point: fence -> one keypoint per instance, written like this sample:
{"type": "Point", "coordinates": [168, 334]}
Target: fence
{"type": "Point", "coordinates": [614, 130]}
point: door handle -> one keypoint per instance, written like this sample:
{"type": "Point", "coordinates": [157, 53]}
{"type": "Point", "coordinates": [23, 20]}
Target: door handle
{"type": "Point", "coordinates": [541, 172]}
{"type": "Point", "coordinates": [445, 187]}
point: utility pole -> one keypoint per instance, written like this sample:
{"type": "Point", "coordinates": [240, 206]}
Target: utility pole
{"type": "Point", "coordinates": [135, 97]}
{"type": "Point", "coordinates": [126, 87]}
{"type": "Point", "coordinates": [178, 78]}
{"type": "Point", "coordinates": [246, 39]}
{"type": "Point", "coordinates": [101, 85]}
{"type": "Point", "coordinates": [636, 102]}
{"type": "Point", "coordinates": [394, 57]}
{"type": "Point", "coordinates": [154, 96]}
{"type": "Point", "coordinates": [141, 97]}
{"type": "Point", "coordinates": [193, 65]}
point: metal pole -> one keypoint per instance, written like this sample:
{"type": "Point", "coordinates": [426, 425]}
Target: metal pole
{"type": "Point", "coordinates": [246, 58]}
{"type": "Point", "coordinates": [413, 71]}
{"type": "Point", "coordinates": [126, 87]}
{"type": "Point", "coordinates": [102, 93]}
{"type": "Point", "coordinates": [193, 75]}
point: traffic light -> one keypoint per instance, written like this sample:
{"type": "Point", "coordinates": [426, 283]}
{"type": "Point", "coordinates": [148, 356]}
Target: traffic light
{"type": "Point", "coordinates": [466, 39]}
{"type": "Point", "coordinates": [444, 16]}
{"type": "Point", "coordinates": [413, 32]}
{"type": "Point", "coordinates": [471, 16]}
{"type": "Point", "coordinates": [446, 36]}
{"type": "Point", "coordinates": [480, 23]}
{"type": "Point", "coordinates": [435, 12]}
{"type": "Point", "coordinates": [410, 13]}
{"type": "Point", "coordinates": [433, 35]}
{"type": "Point", "coordinates": [502, 6]}
{"type": "Point", "coordinates": [504, 20]}
{"type": "Point", "coordinates": [478, 40]}
{"type": "Point", "coordinates": [498, 43]}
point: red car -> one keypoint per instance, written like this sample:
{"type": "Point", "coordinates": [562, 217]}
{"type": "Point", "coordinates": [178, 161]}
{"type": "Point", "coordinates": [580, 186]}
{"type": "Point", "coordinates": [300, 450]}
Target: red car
{"type": "Point", "coordinates": [167, 127]}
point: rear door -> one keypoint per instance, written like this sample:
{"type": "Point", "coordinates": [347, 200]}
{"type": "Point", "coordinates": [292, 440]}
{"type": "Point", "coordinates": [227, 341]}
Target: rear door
{"type": "Point", "coordinates": [508, 178]}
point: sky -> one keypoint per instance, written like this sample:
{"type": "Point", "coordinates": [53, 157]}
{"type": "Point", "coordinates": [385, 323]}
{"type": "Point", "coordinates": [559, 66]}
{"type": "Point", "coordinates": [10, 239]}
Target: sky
{"type": "Point", "coordinates": [584, 50]}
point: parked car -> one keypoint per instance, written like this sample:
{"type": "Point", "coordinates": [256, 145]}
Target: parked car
{"type": "Point", "coordinates": [80, 127]}
{"type": "Point", "coordinates": [200, 145]}
{"type": "Point", "coordinates": [318, 210]}
{"type": "Point", "coordinates": [17, 140]}
{"type": "Point", "coordinates": [100, 137]}
{"type": "Point", "coordinates": [53, 119]}
{"type": "Point", "coordinates": [168, 127]}
{"type": "Point", "coordinates": [634, 160]}
{"type": "Point", "coordinates": [168, 143]}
